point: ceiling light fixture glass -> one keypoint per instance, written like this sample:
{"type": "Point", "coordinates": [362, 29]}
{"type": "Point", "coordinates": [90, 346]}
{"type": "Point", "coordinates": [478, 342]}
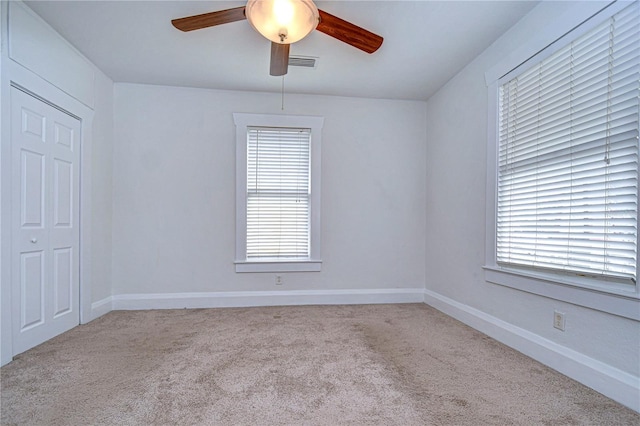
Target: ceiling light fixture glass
{"type": "Point", "coordinates": [283, 21]}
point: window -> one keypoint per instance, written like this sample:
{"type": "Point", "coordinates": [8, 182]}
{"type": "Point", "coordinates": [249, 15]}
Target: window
{"type": "Point", "coordinates": [568, 157]}
{"type": "Point", "coordinates": [278, 193]}
{"type": "Point", "coordinates": [566, 183]}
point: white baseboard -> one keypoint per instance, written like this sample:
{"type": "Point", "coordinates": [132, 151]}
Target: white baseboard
{"type": "Point", "coordinates": [101, 307]}
{"type": "Point", "coordinates": [609, 381]}
{"type": "Point", "coordinates": [265, 298]}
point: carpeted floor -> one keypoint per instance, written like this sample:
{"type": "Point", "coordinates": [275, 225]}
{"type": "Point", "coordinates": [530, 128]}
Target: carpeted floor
{"type": "Point", "coordinates": [307, 365]}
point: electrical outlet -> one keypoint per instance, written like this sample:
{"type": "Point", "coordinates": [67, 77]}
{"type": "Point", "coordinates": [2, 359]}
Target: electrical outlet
{"type": "Point", "coordinates": [558, 320]}
{"type": "Point", "coordinates": [278, 279]}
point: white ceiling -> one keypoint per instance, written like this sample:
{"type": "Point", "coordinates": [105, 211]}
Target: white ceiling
{"type": "Point", "coordinates": [425, 44]}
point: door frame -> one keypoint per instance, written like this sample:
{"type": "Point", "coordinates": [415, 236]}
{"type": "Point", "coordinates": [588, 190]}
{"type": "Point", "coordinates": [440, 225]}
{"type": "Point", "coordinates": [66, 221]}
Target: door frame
{"type": "Point", "coordinates": [13, 74]}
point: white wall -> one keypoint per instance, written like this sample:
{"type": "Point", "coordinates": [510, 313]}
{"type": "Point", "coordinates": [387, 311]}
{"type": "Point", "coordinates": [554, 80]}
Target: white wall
{"type": "Point", "coordinates": [456, 175]}
{"type": "Point", "coordinates": [174, 189]}
{"type": "Point", "coordinates": [101, 196]}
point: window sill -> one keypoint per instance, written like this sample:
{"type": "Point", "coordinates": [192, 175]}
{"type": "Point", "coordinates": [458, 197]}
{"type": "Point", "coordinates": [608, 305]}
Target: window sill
{"type": "Point", "coordinates": [618, 300]}
{"type": "Point", "coordinates": [279, 266]}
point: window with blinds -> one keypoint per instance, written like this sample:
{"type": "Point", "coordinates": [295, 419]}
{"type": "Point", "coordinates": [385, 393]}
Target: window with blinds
{"type": "Point", "coordinates": [278, 193]}
{"type": "Point", "coordinates": [568, 157]}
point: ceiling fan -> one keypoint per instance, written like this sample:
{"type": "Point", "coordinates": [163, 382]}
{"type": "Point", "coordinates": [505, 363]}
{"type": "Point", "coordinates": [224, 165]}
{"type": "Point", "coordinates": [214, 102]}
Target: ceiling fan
{"type": "Point", "coordinates": [285, 22]}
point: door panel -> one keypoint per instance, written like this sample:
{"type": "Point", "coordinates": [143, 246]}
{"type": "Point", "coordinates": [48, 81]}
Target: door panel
{"type": "Point", "coordinates": [45, 237]}
{"type": "Point", "coordinates": [32, 189]}
{"type": "Point", "coordinates": [33, 124]}
{"type": "Point", "coordinates": [64, 135]}
{"type": "Point", "coordinates": [62, 280]}
{"type": "Point", "coordinates": [32, 289]}
{"type": "Point", "coordinates": [62, 193]}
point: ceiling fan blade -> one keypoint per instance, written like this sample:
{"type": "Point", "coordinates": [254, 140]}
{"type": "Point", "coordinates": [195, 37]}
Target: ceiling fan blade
{"type": "Point", "coordinates": [210, 19]}
{"type": "Point", "coordinates": [348, 33]}
{"type": "Point", "coordinates": [279, 59]}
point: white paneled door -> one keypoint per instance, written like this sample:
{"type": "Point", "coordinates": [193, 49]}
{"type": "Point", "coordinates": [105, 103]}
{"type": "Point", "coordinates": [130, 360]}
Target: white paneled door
{"type": "Point", "coordinates": [45, 148]}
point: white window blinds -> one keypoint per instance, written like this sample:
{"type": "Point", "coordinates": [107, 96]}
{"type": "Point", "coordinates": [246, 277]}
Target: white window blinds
{"type": "Point", "coordinates": [278, 193]}
{"type": "Point", "coordinates": [568, 156]}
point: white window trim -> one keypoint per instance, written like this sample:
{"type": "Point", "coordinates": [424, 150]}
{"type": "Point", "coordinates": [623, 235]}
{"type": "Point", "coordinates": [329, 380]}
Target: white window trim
{"type": "Point", "coordinates": [621, 300]}
{"type": "Point", "coordinates": [243, 121]}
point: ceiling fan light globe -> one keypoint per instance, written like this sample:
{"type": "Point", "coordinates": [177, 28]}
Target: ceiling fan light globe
{"type": "Point", "coordinates": [283, 21]}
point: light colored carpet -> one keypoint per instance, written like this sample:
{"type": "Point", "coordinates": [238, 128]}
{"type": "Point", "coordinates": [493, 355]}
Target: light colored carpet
{"type": "Point", "coordinates": [306, 365]}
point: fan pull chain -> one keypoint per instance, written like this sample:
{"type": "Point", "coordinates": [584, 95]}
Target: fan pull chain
{"type": "Point", "coordinates": [282, 94]}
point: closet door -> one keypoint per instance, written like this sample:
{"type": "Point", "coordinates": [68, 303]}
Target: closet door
{"type": "Point", "coordinates": [45, 148]}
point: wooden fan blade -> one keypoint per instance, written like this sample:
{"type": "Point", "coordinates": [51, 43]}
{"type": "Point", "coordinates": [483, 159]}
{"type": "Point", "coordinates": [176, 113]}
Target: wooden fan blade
{"type": "Point", "coordinates": [210, 19]}
{"type": "Point", "coordinates": [348, 33]}
{"type": "Point", "coordinates": [279, 59]}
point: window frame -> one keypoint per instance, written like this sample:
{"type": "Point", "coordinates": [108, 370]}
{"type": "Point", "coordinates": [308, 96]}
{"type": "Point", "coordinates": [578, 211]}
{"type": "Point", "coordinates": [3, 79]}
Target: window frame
{"type": "Point", "coordinates": [243, 122]}
{"type": "Point", "coordinates": [611, 297]}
